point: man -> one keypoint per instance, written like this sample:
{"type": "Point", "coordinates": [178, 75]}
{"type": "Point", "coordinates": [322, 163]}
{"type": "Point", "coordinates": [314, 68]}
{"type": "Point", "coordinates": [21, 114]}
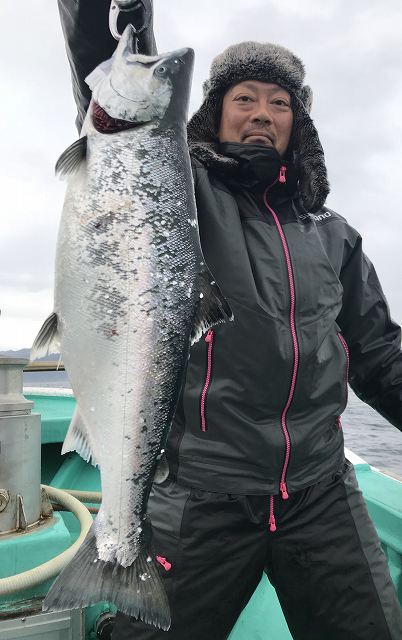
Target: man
{"type": "Point", "coordinates": [258, 479]}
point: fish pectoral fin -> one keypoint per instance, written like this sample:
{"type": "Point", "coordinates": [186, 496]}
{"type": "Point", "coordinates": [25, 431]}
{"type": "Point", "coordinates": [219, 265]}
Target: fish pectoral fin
{"type": "Point", "coordinates": [70, 160]}
{"type": "Point", "coordinates": [77, 439]}
{"type": "Point", "coordinates": [48, 339]}
{"type": "Point", "coordinates": [162, 470]}
{"type": "Point", "coordinates": [212, 309]}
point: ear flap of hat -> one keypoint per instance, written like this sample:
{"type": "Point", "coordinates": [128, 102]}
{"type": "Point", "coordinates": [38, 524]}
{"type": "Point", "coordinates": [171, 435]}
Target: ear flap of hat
{"type": "Point", "coordinates": [205, 88]}
{"type": "Point", "coordinates": [310, 162]}
{"type": "Point", "coordinates": [306, 96]}
{"type": "Point", "coordinates": [202, 134]}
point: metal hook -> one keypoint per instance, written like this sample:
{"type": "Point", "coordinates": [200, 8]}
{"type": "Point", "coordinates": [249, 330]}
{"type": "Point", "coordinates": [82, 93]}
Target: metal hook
{"type": "Point", "coordinates": [117, 6]}
{"type": "Point", "coordinates": [113, 15]}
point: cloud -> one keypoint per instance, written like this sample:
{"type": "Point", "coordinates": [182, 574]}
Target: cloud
{"type": "Point", "coordinates": [352, 53]}
{"type": "Point", "coordinates": [23, 312]}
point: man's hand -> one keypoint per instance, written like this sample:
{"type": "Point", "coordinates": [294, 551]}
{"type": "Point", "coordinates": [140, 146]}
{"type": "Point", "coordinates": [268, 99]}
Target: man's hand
{"type": "Point", "coordinates": [137, 12]}
{"type": "Point", "coordinates": [89, 41]}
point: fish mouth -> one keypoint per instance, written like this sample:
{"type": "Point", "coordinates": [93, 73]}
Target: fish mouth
{"type": "Point", "coordinates": [128, 39]}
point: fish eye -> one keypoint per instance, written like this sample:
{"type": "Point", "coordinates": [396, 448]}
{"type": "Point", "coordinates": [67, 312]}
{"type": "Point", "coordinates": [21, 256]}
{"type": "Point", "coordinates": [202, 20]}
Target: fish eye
{"type": "Point", "coordinates": [161, 70]}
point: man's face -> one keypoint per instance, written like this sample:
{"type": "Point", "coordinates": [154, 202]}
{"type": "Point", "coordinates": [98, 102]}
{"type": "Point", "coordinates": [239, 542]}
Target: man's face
{"type": "Point", "coordinates": [257, 112]}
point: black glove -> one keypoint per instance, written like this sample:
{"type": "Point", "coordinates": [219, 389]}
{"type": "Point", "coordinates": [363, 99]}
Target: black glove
{"type": "Point", "coordinates": [89, 42]}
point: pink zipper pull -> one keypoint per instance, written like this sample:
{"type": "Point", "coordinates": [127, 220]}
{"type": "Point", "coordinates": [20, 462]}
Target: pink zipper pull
{"type": "Point", "coordinates": [210, 336]}
{"type": "Point", "coordinates": [282, 174]}
{"type": "Point", "coordinates": [165, 564]}
{"type": "Point", "coordinates": [271, 521]}
{"type": "Point", "coordinates": [338, 421]}
{"type": "Point", "coordinates": [284, 490]}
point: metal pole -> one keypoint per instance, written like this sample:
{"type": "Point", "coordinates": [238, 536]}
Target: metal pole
{"type": "Point", "coordinates": [20, 451]}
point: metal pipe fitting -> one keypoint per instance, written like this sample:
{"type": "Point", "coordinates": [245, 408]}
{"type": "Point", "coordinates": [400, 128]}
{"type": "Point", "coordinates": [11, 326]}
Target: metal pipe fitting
{"type": "Point", "coordinates": [20, 451]}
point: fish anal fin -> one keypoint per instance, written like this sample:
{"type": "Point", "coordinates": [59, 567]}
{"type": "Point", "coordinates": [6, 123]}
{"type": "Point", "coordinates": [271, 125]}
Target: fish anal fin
{"type": "Point", "coordinates": [78, 439]}
{"type": "Point", "coordinates": [213, 308]}
{"type": "Point", "coordinates": [48, 339]}
{"type": "Point", "coordinates": [71, 159]}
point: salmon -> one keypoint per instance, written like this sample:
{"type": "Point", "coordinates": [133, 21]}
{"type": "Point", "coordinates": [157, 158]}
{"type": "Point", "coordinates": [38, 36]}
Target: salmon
{"type": "Point", "coordinates": [132, 293]}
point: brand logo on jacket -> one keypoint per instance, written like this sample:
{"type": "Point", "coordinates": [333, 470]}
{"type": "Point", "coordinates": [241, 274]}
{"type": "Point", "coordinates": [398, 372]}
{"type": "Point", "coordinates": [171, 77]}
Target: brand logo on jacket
{"type": "Point", "coordinates": [313, 216]}
{"type": "Point", "coordinates": [321, 216]}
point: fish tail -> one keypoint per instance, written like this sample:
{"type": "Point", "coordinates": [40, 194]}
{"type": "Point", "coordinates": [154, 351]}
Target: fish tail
{"type": "Point", "coordinates": [136, 590]}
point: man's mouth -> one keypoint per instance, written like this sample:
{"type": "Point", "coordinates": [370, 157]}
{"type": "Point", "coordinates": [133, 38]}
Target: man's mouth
{"type": "Point", "coordinates": [265, 138]}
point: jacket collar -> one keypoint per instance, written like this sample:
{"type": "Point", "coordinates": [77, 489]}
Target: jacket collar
{"type": "Point", "coordinates": [257, 167]}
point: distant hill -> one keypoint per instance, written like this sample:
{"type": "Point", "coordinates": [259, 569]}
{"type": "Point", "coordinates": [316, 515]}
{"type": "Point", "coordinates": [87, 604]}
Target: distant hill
{"type": "Point", "coordinates": [24, 353]}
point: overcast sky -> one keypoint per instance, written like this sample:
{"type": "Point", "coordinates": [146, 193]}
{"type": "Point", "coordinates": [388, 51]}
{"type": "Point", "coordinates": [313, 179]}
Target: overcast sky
{"type": "Point", "coordinates": [353, 57]}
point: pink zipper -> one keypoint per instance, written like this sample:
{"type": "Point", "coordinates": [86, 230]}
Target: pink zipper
{"type": "Point", "coordinates": [272, 523]}
{"type": "Point", "coordinates": [346, 348]}
{"type": "Point", "coordinates": [165, 564]}
{"type": "Point", "coordinates": [209, 339]}
{"type": "Point", "coordinates": [282, 485]}
{"type": "Point", "coordinates": [282, 174]}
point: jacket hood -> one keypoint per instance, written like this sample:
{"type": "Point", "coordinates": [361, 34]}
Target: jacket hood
{"type": "Point", "coordinates": [268, 63]}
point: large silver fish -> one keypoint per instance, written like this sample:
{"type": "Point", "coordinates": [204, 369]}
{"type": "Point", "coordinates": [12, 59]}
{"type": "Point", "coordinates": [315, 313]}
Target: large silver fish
{"type": "Point", "coordinates": [132, 292]}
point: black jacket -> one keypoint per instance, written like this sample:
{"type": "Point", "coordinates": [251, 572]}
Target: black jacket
{"type": "Point", "coordinates": [261, 404]}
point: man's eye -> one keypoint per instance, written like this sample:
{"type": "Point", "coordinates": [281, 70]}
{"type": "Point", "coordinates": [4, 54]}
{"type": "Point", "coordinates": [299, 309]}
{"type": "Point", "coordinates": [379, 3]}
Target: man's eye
{"type": "Point", "coordinates": [243, 98]}
{"type": "Point", "coordinates": [281, 103]}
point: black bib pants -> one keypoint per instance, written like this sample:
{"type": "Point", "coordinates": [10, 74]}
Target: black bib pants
{"type": "Point", "coordinates": [324, 560]}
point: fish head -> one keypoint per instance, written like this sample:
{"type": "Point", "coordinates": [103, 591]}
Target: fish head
{"type": "Point", "coordinates": [137, 88]}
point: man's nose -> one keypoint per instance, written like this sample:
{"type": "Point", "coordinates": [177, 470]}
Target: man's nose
{"type": "Point", "coordinates": [262, 113]}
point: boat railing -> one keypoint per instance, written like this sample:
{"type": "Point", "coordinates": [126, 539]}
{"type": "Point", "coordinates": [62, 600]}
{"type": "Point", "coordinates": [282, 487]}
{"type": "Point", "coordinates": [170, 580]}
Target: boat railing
{"type": "Point", "coordinates": [50, 365]}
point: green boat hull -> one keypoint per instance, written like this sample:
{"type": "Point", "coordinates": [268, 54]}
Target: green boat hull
{"type": "Point", "coordinates": [383, 495]}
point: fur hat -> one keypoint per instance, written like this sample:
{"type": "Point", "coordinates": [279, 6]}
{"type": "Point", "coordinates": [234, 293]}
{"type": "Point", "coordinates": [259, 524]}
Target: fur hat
{"type": "Point", "coordinates": [269, 63]}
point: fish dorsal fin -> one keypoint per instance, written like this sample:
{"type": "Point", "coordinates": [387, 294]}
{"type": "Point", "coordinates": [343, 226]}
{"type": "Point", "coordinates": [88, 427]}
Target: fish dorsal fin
{"type": "Point", "coordinates": [70, 160]}
{"type": "Point", "coordinates": [162, 470]}
{"type": "Point", "coordinates": [78, 439]}
{"type": "Point", "coordinates": [47, 341]}
{"type": "Point", "coordinates": [212, 309]}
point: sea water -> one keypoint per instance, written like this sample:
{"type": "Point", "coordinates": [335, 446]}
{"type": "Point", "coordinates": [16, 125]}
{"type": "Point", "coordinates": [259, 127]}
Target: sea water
{"type": "Point", "coordinates": [370, 436]}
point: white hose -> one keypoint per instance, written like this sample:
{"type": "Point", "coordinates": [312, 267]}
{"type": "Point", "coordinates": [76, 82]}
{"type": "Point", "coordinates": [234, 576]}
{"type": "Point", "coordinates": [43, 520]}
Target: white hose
{"type": "Point", "coordinates": [51, 568]}
{"type": "Point", "coordinates": [85, 496]}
